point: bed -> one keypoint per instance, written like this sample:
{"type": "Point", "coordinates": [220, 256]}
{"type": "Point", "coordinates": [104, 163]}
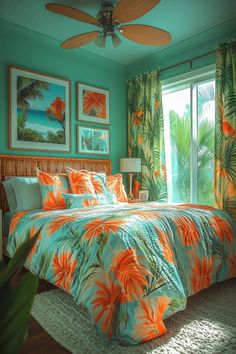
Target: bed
{"type": "Point", "coordinates": [131, 265]}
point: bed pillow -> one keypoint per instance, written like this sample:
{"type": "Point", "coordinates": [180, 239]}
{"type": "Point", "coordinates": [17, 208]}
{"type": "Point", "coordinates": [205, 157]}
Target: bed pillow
{"type": "Point", "coordinates": [115, 185]}
{"type": "Point", "coordinates": [107, 198]}
{"type": "Point", "coordinates": [52, 187]}
{"type": "Point", "coordinates": [27, 193]}
{"type": "Point", "coordinates": [87, 200]}
{"type": "Point", "coordinates": [80, 181]}
{"type": "Point", "coordinates": [99, 181]}
{"type": "Point", "coordinates": [80, 200]}
{"type": "Point", "coordinates": [10, 194]}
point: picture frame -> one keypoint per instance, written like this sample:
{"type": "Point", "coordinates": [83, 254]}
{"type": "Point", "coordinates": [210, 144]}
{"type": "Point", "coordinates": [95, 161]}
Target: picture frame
{"type": "Point", "coordinates": [39, 111]}
{"type": "Point", "coordinates": [93, 104]}
{"type": "Point", "coordinates": [143, 195]}
{"type": "Point", "coordinates": [93, 140]}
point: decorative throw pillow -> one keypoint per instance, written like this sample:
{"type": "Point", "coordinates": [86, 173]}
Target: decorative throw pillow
{"type": "Point", "coordinates": [80, 181]}
{"type": "Point", "coordinates": [52, 187]}
{"type": "Point", "coordinates": [80, 200]}
{"type": "Point", "coordinates": [115, 185]}
{"type": "Point", "coordinates": [87, 200]}
{"type": "Point", "coordinates": [107, 198]}
{"type": "Point", "coordinates": [99, 180]}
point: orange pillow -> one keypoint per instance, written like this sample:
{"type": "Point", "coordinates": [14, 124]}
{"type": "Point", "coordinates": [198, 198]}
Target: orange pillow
{"type": "Point", "coordinates": [115, 185]}
{"type": "Point", "coordinates": [80, 181]}
{"type": "Point", "coordinates": [52, 187]}
{"type": "Point", "coordinates": [98, 180]}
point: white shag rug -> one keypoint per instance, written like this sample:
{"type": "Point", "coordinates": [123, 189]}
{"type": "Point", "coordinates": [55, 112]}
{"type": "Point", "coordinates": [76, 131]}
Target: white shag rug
{"type": "Point", "coordinates": [208, 325]}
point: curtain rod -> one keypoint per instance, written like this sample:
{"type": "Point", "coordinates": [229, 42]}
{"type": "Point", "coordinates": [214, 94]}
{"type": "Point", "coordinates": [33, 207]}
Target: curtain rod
{"type": "Point", "coordinates": [188, 61]}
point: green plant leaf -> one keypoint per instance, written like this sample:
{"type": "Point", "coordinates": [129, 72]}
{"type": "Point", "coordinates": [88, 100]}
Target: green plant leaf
{"type": "Point", "coordinates": [15, 308]}
{"type": "Point", "coordinates": [16, 263]}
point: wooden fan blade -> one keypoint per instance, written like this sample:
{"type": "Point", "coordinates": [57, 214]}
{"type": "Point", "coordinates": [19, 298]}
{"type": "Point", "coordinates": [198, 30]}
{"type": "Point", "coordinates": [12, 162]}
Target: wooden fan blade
{"type": "Point", "coordinates": [144, 34]}
{"type": "Point", "coordinates": [129, 10]}
{"type": "Point", "coordinates": [72, 13]}
{"type": "Point", "coordinates": [80, 40]}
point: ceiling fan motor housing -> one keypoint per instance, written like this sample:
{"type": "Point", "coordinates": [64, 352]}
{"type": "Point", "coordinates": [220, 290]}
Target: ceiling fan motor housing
{"type": "Point", "coordinates": [105, 18]}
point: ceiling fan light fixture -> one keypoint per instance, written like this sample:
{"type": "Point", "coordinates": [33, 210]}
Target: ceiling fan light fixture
{"type": "Point", "coordinates": [115, 40]}
{"type": "Point", "coordinates": [100, 41]}
{"type": "Point", "coordinates": [110, 19]}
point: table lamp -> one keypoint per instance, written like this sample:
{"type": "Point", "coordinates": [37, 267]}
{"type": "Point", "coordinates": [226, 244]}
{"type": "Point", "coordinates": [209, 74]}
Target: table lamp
{"type": "Point", "coordinates": [130, 165]}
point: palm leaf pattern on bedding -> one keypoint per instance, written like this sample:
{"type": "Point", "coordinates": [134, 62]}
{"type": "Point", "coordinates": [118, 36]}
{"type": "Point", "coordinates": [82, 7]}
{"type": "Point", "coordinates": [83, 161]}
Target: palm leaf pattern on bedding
{"type": "Point", "coordinates": [131, 265]}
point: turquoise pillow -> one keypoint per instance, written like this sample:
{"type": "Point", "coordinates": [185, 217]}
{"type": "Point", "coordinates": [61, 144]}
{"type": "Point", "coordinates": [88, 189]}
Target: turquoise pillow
{"type": "Point", "coordinates": [27, 193]}
{"type": "Point", "coordinates": [10, 194]}
{"type": "Point", "coordinates": [107, 198]}
{"type": "Point", "coordinates": [87, 200]}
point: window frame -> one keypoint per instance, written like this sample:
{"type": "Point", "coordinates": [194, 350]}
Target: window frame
{"type": "Point", "coordinates": [189, 80]}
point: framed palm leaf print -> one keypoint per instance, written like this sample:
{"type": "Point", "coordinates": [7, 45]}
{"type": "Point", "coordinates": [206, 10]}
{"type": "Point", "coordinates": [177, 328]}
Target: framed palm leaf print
{"type": "Point", "coordinates": [93, 104]}
{"type": "Point", "coordinates": [39, 111]}
{"type": "Point", "coordinates": [93, 140]}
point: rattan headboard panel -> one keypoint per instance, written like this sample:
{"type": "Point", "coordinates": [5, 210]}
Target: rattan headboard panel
{"type": "Point", "coordinates": [15, 165]}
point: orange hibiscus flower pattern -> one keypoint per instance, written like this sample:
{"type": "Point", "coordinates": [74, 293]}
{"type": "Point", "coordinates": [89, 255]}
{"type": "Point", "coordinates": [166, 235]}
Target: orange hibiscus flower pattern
{"type": "Point", "coordinates": [222, 229]}
{"type": "Point", "coordinates": [187, 230]}
{"type": "Point", "coordinates": [98, 226]}
{"type": "Point", "coordinates": [54, 200]}
{"type": "Point", "coordinates": [130, 264]}
{"type": "Point", "coordinates": [201, 273]}
{"type": "Point", "coordinates": [150, 316]}
{"type": "Point", "coordinates": [167, 251]}
{"type": "Point", "coordinates": [80, 182]}
{"type": "Point", "coordinates": [94, 104]}
{"type": "Point", "coordinates": [52, 187]}
{"type": "Point", "coordinates": [99, 182]}
{"type": "Point", "coordinates": [90, 202]}
{"type": "Point", "coordinates": [15, 220]}
{"type": "Point", "coordinates": [107, 300]}
{"type": "Point", "coordinates": [59, 222]}
{"type": "Point", "coordinates": [131, 273]}
{"type": "Point", "coordinates": [63, 267]}
{"type": "Point", "coordinates": [57, 109]}
{"type": "Point", "coordinates": [115, 185]}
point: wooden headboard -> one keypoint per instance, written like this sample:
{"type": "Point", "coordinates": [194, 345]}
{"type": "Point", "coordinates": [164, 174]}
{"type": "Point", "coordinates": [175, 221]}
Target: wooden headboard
{"type": "Point", "coordinates": [15, 165]}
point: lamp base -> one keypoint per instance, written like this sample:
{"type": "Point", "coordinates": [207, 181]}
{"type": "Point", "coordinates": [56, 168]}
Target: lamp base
{"type": "Point", "coordinates": [130, 179]}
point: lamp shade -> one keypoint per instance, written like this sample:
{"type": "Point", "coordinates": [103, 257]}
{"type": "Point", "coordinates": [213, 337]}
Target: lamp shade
{"type": "Point", "coordinates": [130, 165]}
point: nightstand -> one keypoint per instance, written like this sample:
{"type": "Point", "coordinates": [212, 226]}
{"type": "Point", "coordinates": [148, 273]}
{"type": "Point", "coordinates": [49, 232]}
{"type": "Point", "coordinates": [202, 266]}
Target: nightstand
{"type": "Point", "coordinates": [0, 234]}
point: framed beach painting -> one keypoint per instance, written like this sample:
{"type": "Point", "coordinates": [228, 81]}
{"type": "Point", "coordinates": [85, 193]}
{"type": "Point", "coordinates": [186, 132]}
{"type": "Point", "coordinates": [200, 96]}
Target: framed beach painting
{"type": "Point", "coordinates": [39, 111]}
{"type": "Point", "coordinates": [93, 141]}
{"type": "Point", "coordinates": [93, 104]}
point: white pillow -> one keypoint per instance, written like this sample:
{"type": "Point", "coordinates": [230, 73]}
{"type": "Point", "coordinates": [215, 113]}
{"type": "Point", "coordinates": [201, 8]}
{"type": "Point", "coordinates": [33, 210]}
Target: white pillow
{"type": "Point", "coordinates": [10, 194]}
{"type": "Point", "coordinates": [27, 193]}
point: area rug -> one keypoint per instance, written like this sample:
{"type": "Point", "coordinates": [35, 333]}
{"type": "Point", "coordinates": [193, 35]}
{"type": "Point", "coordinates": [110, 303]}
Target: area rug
{"type": "Point", "coordinates": [207, 326]}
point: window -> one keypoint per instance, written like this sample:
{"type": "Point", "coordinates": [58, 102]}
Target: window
{"type": "Point", "coordinates": [189, 119]}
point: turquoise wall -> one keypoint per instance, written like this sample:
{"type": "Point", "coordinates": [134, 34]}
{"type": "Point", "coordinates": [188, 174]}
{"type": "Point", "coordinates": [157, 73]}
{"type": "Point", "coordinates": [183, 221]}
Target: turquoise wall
{"type": "Point", "coordinates": [30, 50]}
{"type": "Point", "coordinates": [195, 46]}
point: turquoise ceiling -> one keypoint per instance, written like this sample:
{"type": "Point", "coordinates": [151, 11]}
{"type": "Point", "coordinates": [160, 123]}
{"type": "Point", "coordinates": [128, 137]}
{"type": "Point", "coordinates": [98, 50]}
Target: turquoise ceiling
{"type": "Point", "coordinates": [182, 18]}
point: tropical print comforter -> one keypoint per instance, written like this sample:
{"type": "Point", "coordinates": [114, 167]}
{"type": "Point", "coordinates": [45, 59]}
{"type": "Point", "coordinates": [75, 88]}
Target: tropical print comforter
{"type": "Point", "coordinates": [131, 265]}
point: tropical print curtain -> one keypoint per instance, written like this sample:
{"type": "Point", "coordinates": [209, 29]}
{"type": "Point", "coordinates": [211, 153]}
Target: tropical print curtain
{"type": "Point", "coordinates": [146, 133]}
{"type": "Point", "coordinates": [225, 136]}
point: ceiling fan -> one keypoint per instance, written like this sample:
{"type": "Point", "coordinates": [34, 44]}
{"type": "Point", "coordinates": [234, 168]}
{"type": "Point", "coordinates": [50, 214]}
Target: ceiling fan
{"type": "Point", "coordinates": [109, 19]}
